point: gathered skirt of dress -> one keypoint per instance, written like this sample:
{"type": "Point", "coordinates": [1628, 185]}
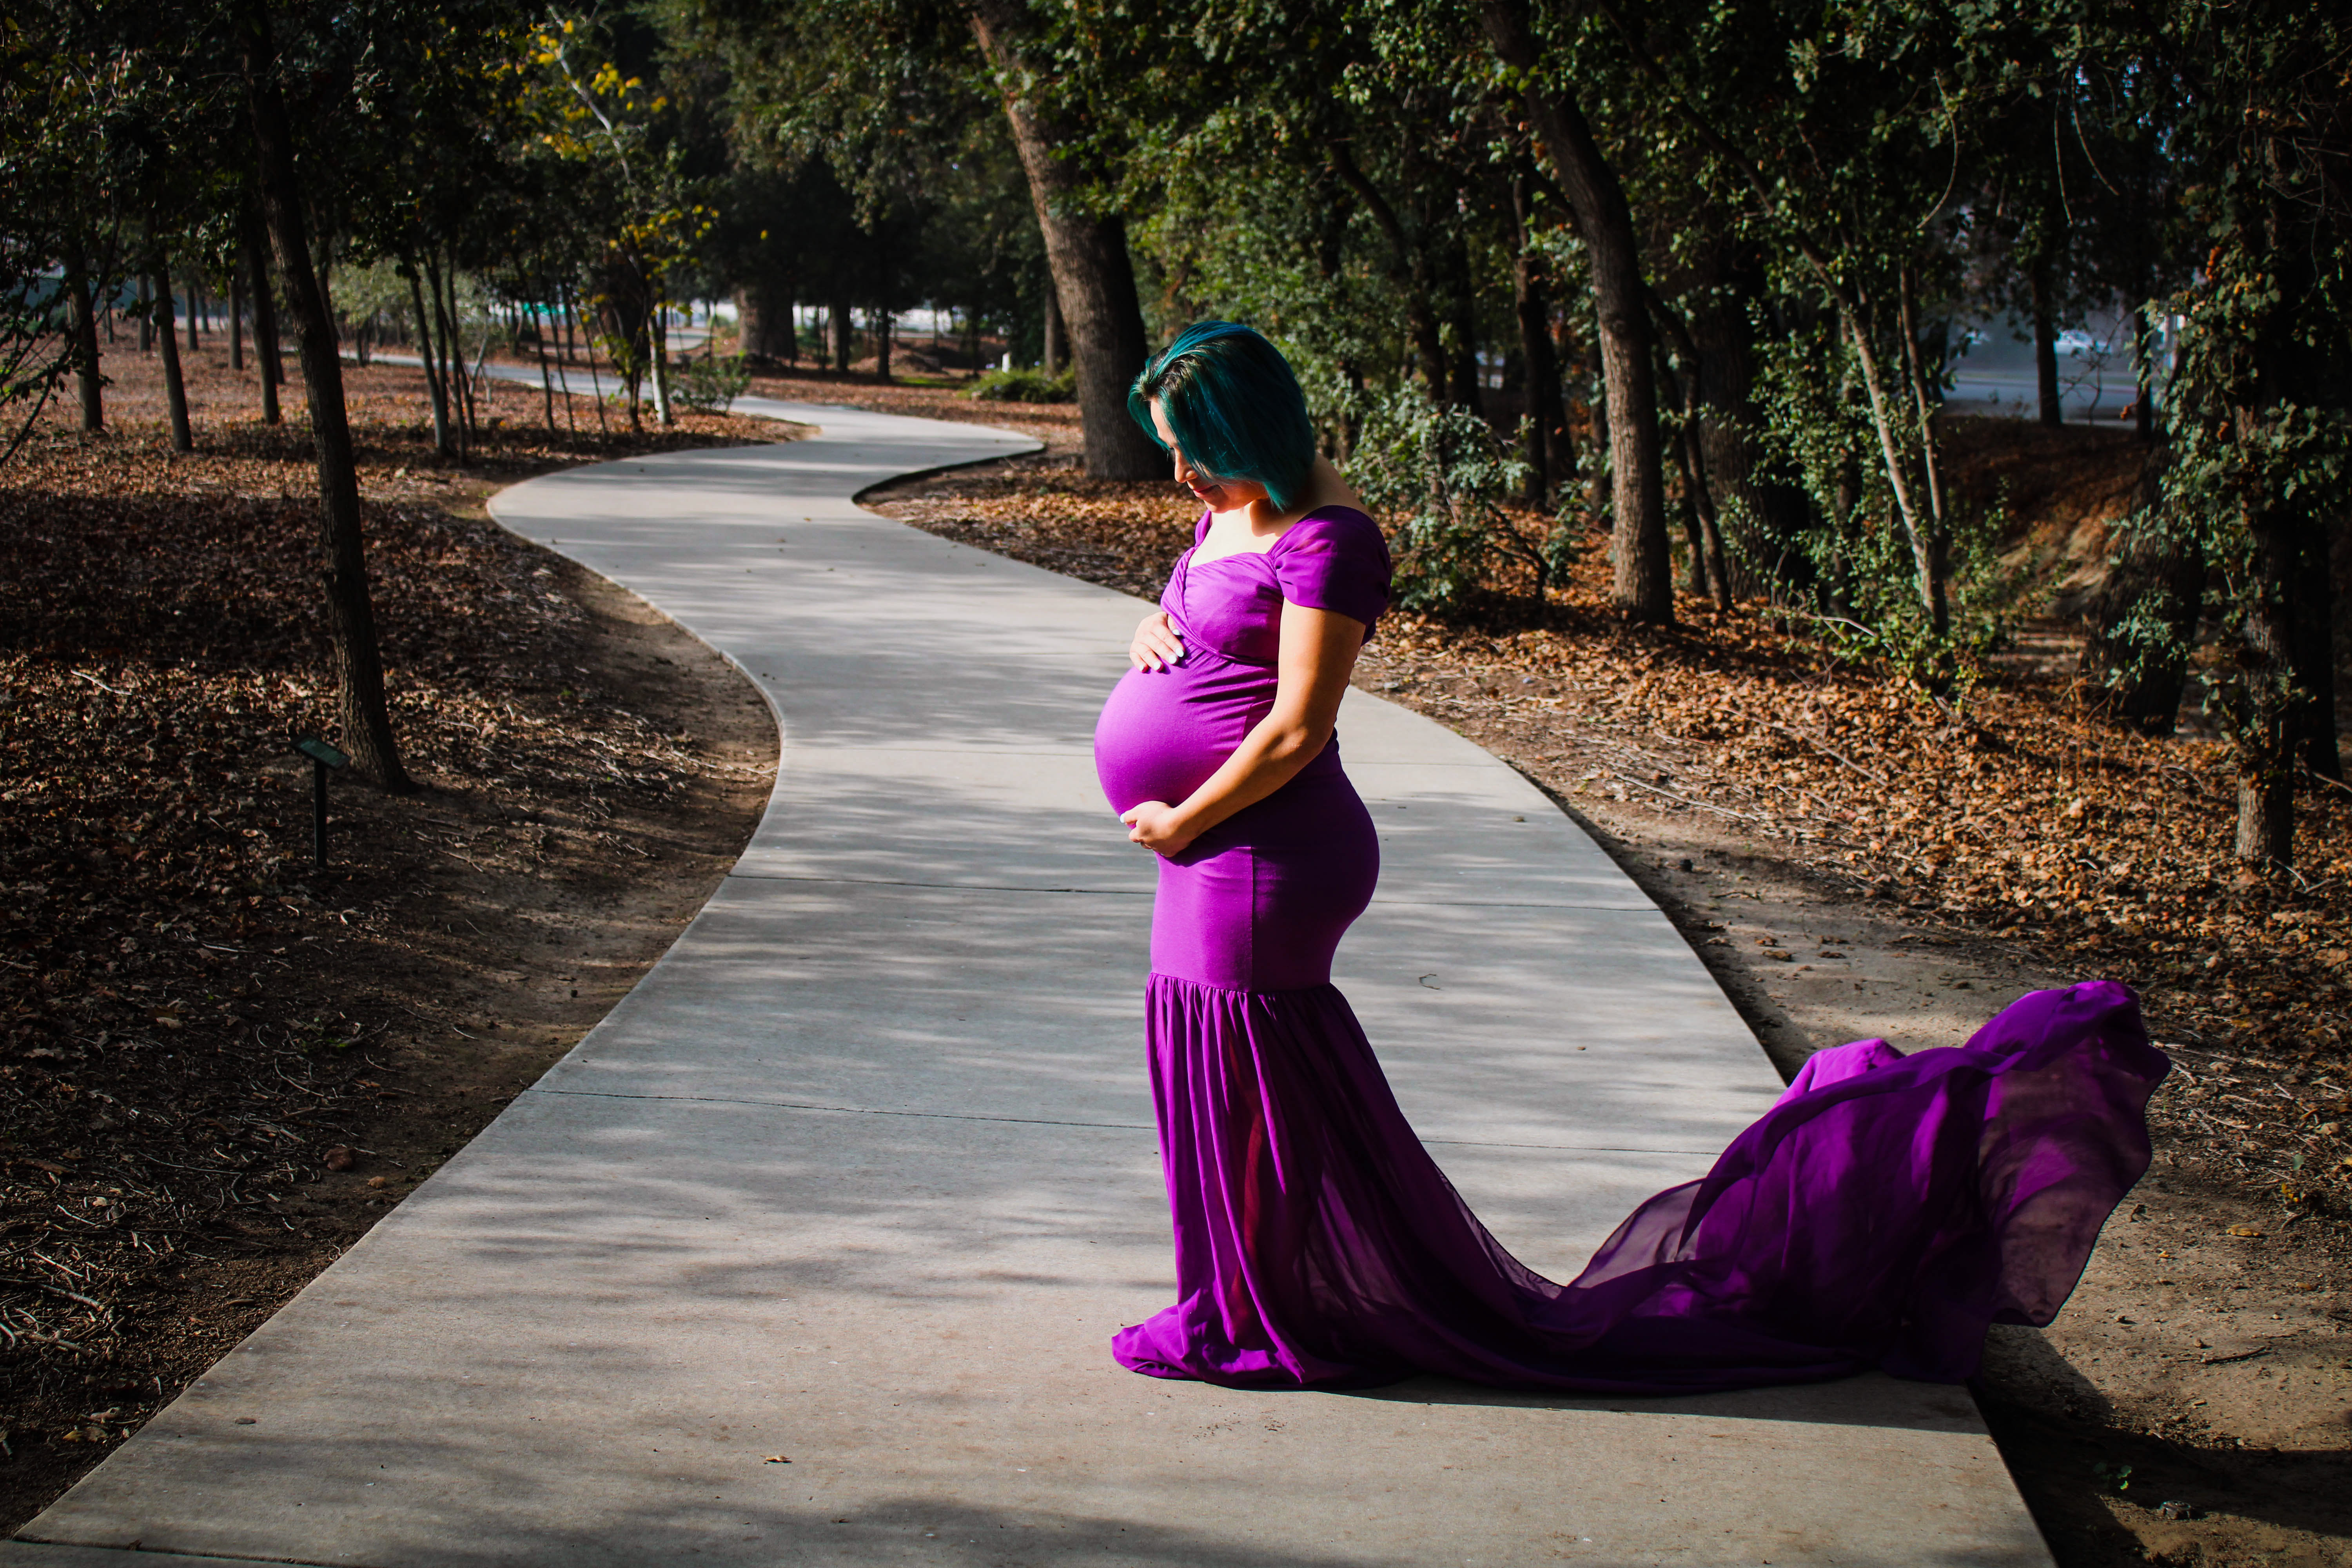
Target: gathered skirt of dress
{"type": "Point", "coordinates": [1882, 1213]}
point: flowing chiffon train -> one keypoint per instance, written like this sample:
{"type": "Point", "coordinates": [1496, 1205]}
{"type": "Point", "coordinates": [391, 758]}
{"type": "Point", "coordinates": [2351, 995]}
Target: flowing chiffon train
{"type": "Point", "coordinates": [1880, 1214]}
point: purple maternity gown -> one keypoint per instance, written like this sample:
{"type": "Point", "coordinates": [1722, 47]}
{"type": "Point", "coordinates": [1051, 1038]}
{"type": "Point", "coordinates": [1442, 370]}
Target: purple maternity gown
{"type": "Point", "coordinates": [1880, 1214]}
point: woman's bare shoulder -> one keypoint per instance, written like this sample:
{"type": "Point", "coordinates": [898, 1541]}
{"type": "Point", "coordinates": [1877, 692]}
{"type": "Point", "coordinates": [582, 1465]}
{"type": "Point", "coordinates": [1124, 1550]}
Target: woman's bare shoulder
{"type": "Point", "coordinates": [1327, 488]}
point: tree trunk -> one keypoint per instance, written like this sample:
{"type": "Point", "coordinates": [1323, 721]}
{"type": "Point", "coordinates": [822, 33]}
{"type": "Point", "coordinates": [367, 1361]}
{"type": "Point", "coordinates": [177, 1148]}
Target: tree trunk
{"type": "Point", "coordinates": [1088, 255]}
{"type": "Point", "coordinates": [1644, 584]}
{"type": "Point", "coordinates": [1539, 367]}
{"type": "Point", "coordinates": [1927, 562]}
{"type": "Point", "coordinates": [1408, 270]}
{"type": "Point", "coordinates": [2143, 341]}
{"type": "Point", "coordinates": [2266, 751]}
{"type": "Point", "coordinates": [2311, 723]}
{"type": "Point", "coordinates": [146, 316]}
{"type": "Point", "coordinates": [265, 316]}
{"type": "Point", "coordinates": [195, 311]}
{"type": "Point", "coordinates": [1710, 521]}
{"type": "Point", "coordinates": [1601, 500]}
{"type": "Point", "coordinates": [765, 330]}
{"type": "Point", "coordinates": [658, 331]}
{"type": "Point", "coordinates": [837, 325]}
{"type": "Point", "coordinates": [2152, 703]}
{"type": "Point", "coordinates": [2266, 818]}
{"type": "Point", "coordinates": [442, 289]}
{"type": "Point", "coordinates": [175, 390]}
{"type": "Point", "coordinates": [883, 322]}
{"type": "Point", "coordinates": [81, 321]}
{"type": "Point", "coordinates": [1467, 374]}
{"type": "Point", "coordinates": [235, 316]}
{"type": "Point", "coordinates": [366, 718]}
{"type": "Point", "coordinates": [2045, 344]}
{"type": "Point", "coordinates": [1940, 534]}
{"type": "Point", "coordinates": [1055, 354]}
{"type": "Point", "coordinates": [437, 394]}
{"type": "Point", "coordinates": [1694, 534]}
{"type": "Point", "coordinates": [1761, 517]}
{"type": "Point", "coordinates": [546, 375]}
{"type": "Point", "coordinates": [2166, 566]}
{"type": "Point", "coordinates": [1710, 573]}
{"type": "Point", "coordinates": [588, 345]}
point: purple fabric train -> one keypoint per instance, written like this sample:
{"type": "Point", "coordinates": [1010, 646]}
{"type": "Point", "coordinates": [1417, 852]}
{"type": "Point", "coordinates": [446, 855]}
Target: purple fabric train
{"type": "Point", "coordinates": [1880, 1214]}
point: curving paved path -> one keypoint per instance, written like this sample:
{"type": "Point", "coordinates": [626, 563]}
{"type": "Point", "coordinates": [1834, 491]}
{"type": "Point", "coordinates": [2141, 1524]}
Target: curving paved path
{"type": "Point", "coordinates": [862, 1175]}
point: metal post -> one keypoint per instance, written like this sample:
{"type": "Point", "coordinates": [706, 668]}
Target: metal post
{"type": "Point", "coordinates": [322, 757]}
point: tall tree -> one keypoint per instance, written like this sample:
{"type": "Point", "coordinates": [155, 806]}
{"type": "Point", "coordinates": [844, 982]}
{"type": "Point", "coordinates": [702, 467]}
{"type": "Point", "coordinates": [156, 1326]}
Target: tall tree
{"type": "Point", "coordinates": [1086, 245]}
{"type": "Point", "coordinates": [175, 390]}
{"type": "Point", "coordinates": [367, 733]}
{"type": "Point", "coordinates": [2260, 428]}
{"type": "Point", "coordinates": [1644, 566]}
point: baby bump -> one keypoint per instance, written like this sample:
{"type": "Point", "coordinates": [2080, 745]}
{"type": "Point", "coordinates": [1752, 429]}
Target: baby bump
{"type": "Point", "coordinates": [1260, 902]}
{"type": "Point", "coordinates": [1164, 731]}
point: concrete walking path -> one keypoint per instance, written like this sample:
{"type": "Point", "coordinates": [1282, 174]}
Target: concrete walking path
{"type": "Point", "coordinates": [810, 1252]}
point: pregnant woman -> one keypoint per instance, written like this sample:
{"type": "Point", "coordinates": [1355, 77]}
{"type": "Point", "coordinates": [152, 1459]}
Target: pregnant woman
{"type": "Point", "coordinates": [1880, 1214]}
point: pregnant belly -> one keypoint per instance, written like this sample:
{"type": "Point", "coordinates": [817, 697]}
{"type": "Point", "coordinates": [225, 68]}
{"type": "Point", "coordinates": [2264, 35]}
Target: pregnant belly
{"type": "Point", "coordinates": [1163, 732]}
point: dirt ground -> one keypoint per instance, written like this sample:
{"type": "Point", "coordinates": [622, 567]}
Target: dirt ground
{"type": "Point", "coordinates": [2193, 1403]}
{"type": "Point", "coordinates": [220, 1065]}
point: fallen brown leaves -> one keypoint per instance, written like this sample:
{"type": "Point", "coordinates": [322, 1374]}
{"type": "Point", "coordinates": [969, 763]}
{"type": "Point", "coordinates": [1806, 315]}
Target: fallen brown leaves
{"type": "Point", "coordinates": [2019, 812]}
{"type": "Point", "coordinates": [1124, 536]}
{"type": "Point", "coordinates": [191, 1015]}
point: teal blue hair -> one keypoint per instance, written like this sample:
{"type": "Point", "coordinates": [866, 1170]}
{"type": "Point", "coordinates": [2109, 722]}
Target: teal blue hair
{"type": "Point", "coordinates": [1235, 406]}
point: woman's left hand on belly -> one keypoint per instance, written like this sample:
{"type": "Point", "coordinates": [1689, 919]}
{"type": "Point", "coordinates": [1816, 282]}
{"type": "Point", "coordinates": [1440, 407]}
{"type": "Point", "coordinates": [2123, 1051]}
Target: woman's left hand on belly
{"type": "Point", "coordinates": [1157, 643]}
{"type": "Point", "coordinates": [1156, 826]}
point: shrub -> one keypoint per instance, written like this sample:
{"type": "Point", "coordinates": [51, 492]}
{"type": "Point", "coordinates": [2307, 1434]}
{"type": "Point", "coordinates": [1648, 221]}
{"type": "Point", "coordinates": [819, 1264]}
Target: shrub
{"type": "Point", "coordinates": [711, 385]}
{"type": "Point", "coordinates": [1865, 580]}
{"type": "Point", "coordinates": [1439, 478]}
{"type": "Point", "coordinates": [1025, 386]}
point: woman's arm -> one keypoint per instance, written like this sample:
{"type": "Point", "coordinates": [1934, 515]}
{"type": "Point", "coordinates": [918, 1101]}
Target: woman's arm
{"type": "Point", "coordinates": [1317, 654]}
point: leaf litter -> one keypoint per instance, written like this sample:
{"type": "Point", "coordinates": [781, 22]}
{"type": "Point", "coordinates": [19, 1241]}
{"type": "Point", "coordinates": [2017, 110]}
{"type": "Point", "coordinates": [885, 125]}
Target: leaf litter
{"type": "Point", "coordinates": [201, 1035]}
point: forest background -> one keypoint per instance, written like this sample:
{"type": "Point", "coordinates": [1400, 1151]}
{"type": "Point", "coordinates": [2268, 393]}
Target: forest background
{"type": "Point", "coordinates": [1636, 324]}
{"type": "Point", "coordinates": [1689, 277]}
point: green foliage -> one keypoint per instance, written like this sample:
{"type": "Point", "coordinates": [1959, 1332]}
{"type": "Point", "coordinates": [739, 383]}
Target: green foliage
{"type": "Point", "coordinates": [712, 385]}
{"type": "Point", "coordinates": [88, 112]}
{"type": "Point", "coordinates": [1440, 478]}
{"type": "Point", "coordinates": [1818, 426]}
{"type": "Point", "coordinates": [35, 354]}
{"type": "Point", "coordinates": [1024, 387]}
{"type": "Point", "coordinates": [870, 159]}
{"type": "Point", "coordinates": [372, 295]}
{"type": "Point", "coordinates": [2259, 460]}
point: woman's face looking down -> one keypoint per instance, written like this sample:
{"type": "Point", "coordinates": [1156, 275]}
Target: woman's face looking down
{"type": "Point", "coordinates": [1218, 495]}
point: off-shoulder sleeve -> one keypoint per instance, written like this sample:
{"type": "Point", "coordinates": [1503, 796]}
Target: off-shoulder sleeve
{"type": "Point", "coordinates": [1335, 561]}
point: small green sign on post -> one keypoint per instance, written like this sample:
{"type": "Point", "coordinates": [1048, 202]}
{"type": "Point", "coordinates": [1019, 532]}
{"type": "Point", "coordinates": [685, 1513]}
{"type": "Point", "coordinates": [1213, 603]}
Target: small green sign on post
{"type": "Point", "coordinates": [322, 757]}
